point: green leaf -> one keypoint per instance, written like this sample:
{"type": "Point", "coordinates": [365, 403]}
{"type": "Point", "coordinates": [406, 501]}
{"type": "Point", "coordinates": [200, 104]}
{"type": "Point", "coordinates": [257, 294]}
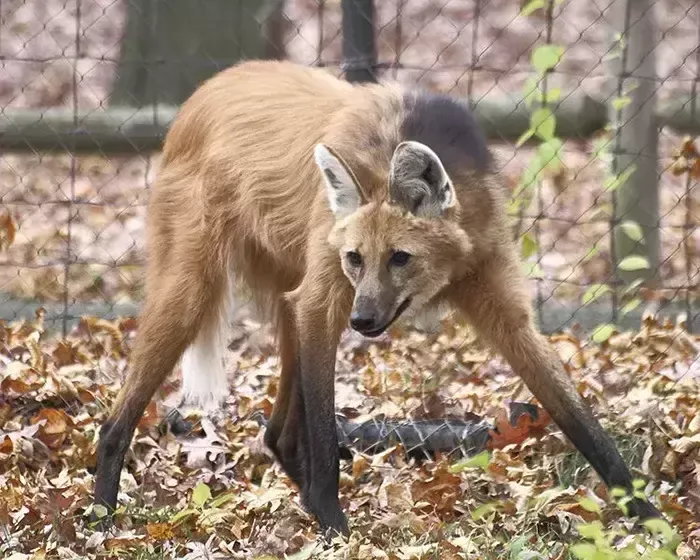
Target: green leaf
{"type": "Point", "coordinates": [620, 103]}
{"type": "Point", "coordinates": [182, 515]}
{"type": "Point", "coordinates": [617, 49]}
{"type": "Point", "coordinates": [600, 146]}
{"type": "Point", "coordinates": [631, 85]}
{"type": "Point", "coordinates": [517, 546]}
{"type": "Point", "coordinates": [529, 246]}
{"type": "Point", "coordinates": [213, 516]}
{"type": "Point", "coordinates": [546, 57]}
{"type": "Point", "coordinates": [584, 551]}
{"type": "Point", "coordinates": [544, 123]}
{"type": "Point", "coordinates": [618, 492]}
{"type": "Point", "coordinates": [589, 505]}
{"type": "Point", "coordinates": [550, 153]}
{"type": "Point", "coordinates": [521, 198]}
{"type": "Point", "coordinates": [484, 510]}
{"type": "Point", "coordinates": [631, 305]}
{"type": "Point", "coordinates": [660, 527]}
{"type": "Point", "coordinates": [613, 183]}
{"type": "Point", "coordinates": [531, 6]}
{"type": "Point", "coordinates": [592, 252]}
{"type": "Point", "coordinates": [594, 292]}
{"type": "Point", "coordinates": [221, 500]}
{"type": "Point", "coordinates": [633, 230]}
{"type": "Point", "coordinates": [481, 460]}
{"type": "Point", "coordinates": [611, 55]}
{"type": "Point", "coordinates": [638, 483]}
{"type": "Point", "coordinates": [531, 90]}
{"type": "Point", "coordinates": [524, 137]}
{"type": "Point", "coordinates": [593, 530]}
{"type": "Point", "coordinates": [99, 510]}
{"type": "Point", "coordinates": [602, 333]}
{"type": "Point", "coordinates": [201, 494]}
{"type": "Point", "coordinates": [532, 173]}
{"type": "Point", "coordinates": [553, 95]}
{"type": "Point", "coordinates": [633, 262]}
{"type": "Point", "coordinates": [633, 286]}
{"type": "Point", "coordinates": [533, 270]}
{"type": "Point", "coordinates": [662, 555]}
{"type": "Point", "coordinates": [622, 504]}
{"type": "Point", "coordinates": [513, 206]}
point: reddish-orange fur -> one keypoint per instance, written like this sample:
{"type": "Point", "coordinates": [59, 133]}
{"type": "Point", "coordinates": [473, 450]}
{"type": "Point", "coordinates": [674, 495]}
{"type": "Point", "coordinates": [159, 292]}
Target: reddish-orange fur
{"type": "Point", "coordinates": [239, 199]}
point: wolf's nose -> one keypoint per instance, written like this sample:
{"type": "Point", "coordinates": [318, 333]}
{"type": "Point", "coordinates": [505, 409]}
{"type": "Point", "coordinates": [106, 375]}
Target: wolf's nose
{"type": "Point", "coordinates": [362, 323]}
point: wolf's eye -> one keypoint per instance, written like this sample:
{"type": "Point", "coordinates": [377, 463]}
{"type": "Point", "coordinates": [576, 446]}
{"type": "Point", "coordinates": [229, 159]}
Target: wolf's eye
{"type": "Point", "coordinates": [400, 258]}
{"type": "Point", "coordinates": [354, 258]}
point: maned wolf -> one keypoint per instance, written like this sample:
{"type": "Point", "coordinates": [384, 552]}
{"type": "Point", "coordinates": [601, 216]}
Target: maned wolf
{"type": "Point", "coordinates": [330, 202]}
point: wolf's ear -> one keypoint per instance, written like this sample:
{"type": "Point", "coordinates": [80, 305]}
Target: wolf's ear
{"type": "Point", "coordinates": [418, 181]}
{"type": "Point", "coordinates": [342, 188]}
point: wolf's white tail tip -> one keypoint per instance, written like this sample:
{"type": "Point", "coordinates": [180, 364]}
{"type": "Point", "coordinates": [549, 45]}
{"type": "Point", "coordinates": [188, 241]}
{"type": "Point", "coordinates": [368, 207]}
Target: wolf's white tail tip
{"type": "Point", "coordinates": [204, 380]}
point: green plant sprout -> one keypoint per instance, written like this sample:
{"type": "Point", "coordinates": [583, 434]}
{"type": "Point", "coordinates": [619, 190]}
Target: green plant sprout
{"type": "Point", "coordinates": [658, 542]}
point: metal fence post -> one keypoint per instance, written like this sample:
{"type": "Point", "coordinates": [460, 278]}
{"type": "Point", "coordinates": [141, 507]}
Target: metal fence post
{"type": "Point", "coordinates": [359, 53]}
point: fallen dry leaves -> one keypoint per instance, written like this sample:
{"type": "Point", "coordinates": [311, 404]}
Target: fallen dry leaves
{"type": "Point", "coordinates": [217, 493]}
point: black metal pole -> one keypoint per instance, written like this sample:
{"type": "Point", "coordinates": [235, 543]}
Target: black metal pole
{"type": "Point", "coordinates": [359, 54]}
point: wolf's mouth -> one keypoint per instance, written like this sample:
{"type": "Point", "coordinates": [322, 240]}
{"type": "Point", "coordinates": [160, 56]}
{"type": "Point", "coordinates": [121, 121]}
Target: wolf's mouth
{"type": "Point", "coordinates": [376, 332]}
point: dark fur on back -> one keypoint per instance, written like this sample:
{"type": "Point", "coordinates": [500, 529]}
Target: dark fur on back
{"type": "Point", "coordinates": [449, 128]}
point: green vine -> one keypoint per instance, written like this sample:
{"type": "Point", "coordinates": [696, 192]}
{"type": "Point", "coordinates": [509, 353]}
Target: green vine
{"type": "Point", "coordinates": [547, 156]}
{"type": "Point", "coordinates": [547, 159]}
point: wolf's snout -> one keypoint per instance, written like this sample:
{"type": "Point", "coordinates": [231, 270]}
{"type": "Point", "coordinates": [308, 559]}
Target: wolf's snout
{"type": "Point", "coordinates": [363, 321]}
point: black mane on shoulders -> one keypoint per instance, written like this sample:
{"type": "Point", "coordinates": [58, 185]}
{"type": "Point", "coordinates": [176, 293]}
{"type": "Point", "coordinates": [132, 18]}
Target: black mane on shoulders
{"type": "Point", "coordinates": [448, 127]}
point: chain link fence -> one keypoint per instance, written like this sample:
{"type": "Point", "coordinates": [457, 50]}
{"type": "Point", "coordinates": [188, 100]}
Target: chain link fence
{"type": "Point", "coordinates": [586, 104]}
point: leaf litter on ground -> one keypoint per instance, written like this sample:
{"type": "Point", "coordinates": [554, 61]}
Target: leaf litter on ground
{"type": "Point", "coordinates": [216, 492]}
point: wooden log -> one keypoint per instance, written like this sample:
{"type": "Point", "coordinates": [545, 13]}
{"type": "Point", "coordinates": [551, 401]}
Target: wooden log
{"type": "Point", "coordinates": [130, 130]}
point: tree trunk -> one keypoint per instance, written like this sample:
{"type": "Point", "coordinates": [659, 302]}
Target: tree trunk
{"type": "Point", "coordinates": [171, 46]}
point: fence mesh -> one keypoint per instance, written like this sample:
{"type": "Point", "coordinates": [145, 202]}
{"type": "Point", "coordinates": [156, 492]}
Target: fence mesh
{"type": "Point", "coordinates": [78, 215]}
{"type": "Point", "coordinates": [603, 197]}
